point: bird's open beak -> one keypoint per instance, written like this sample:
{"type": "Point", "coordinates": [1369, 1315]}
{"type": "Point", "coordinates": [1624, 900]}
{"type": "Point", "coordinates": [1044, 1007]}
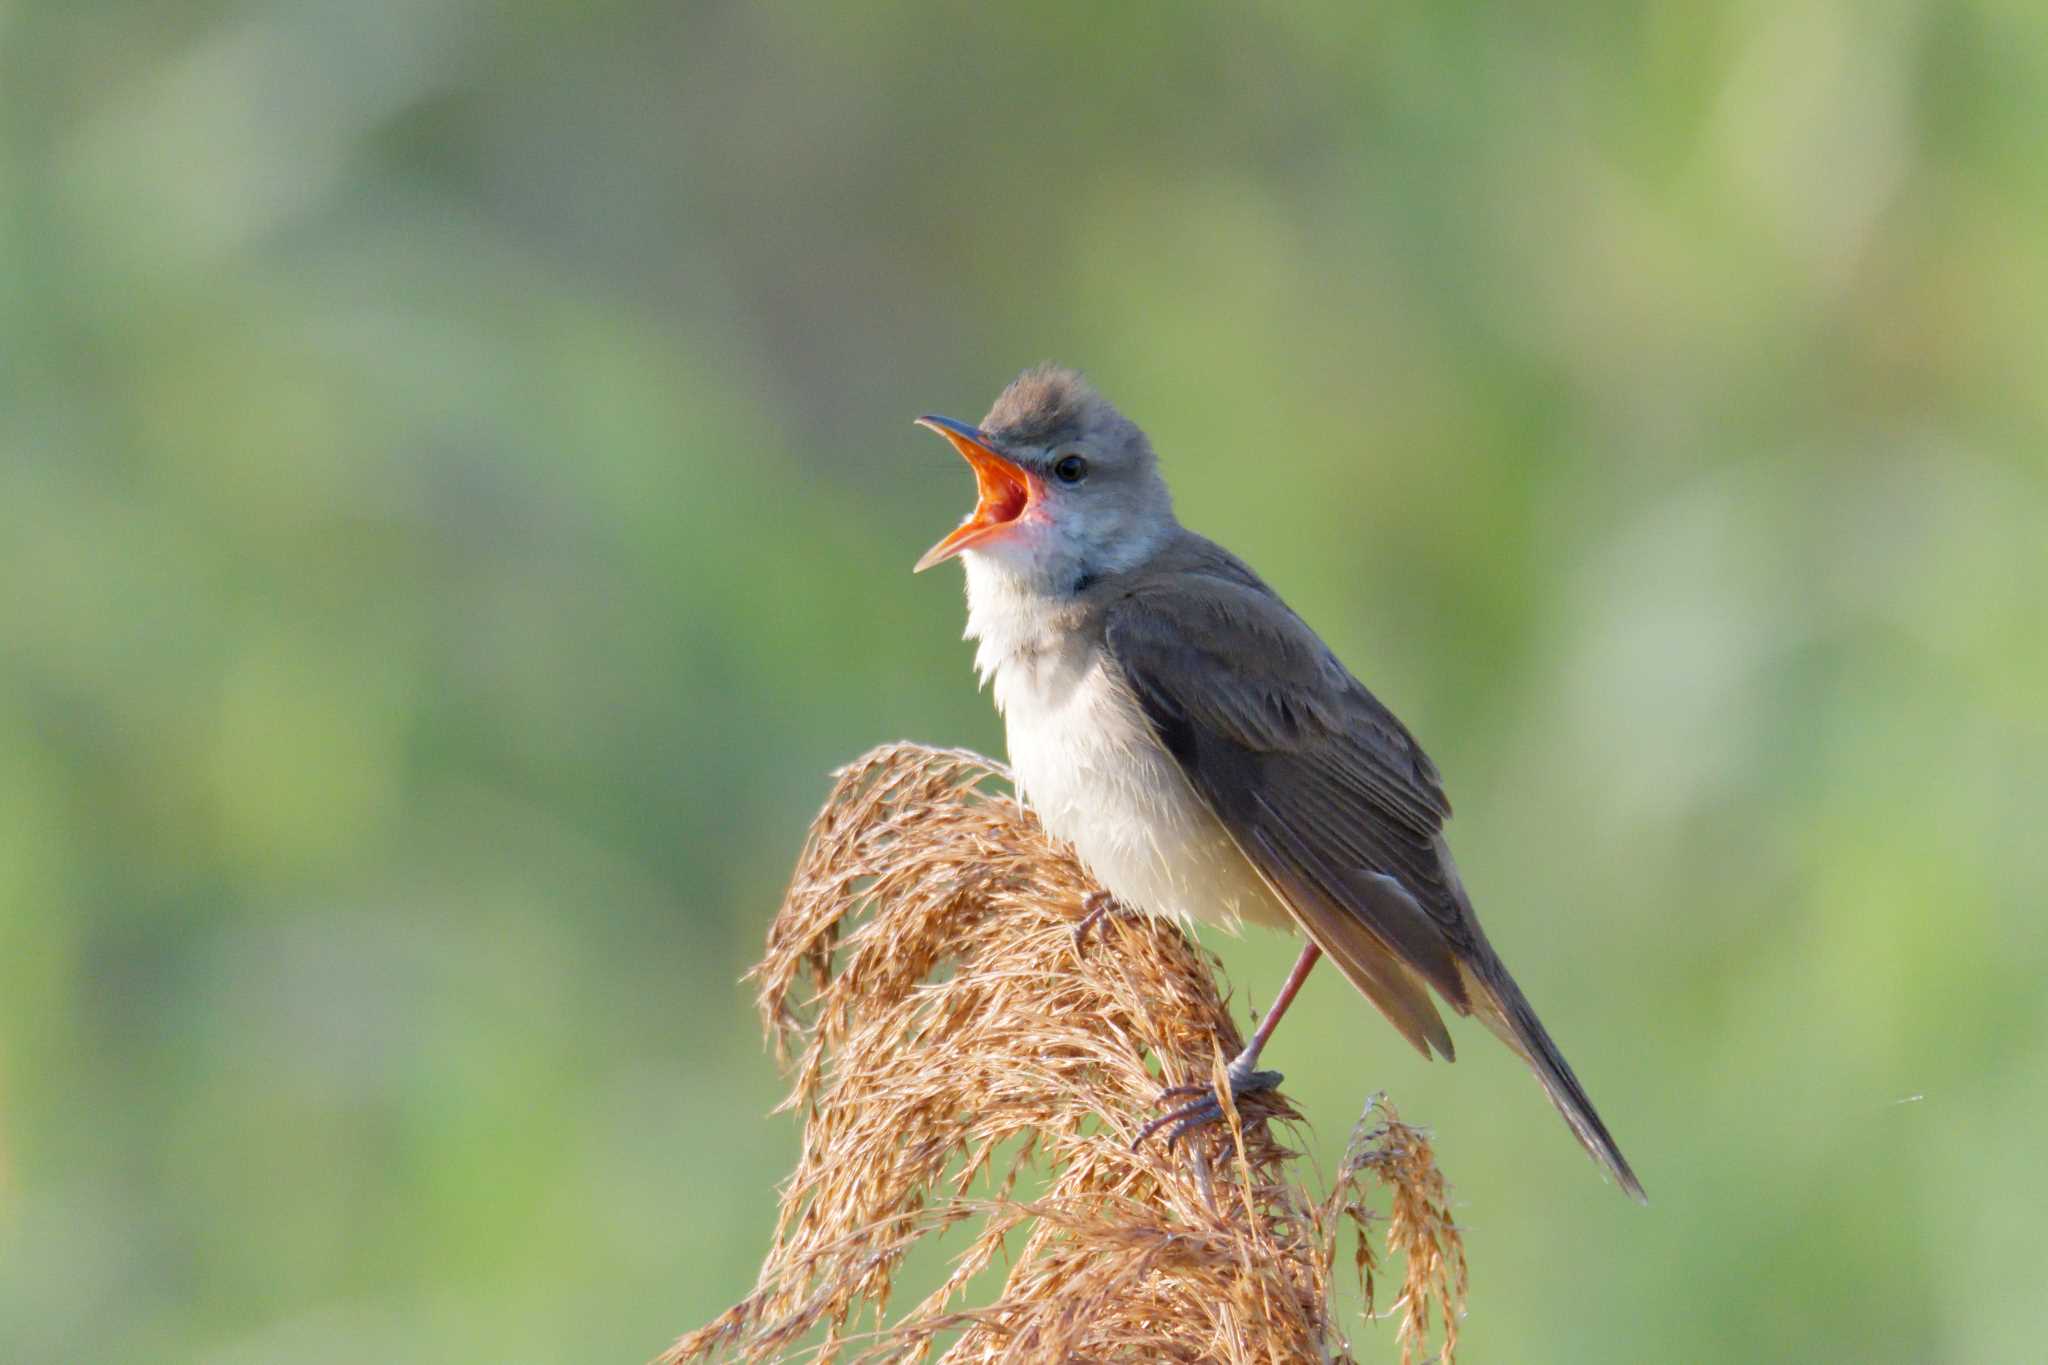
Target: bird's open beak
{"type": "Point", "coordinates": [1004, 485]}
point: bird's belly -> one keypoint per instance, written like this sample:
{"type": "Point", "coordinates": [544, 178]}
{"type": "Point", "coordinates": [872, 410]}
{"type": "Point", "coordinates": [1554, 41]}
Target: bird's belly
{"type": "Point", "coordinates": [1087, 763]}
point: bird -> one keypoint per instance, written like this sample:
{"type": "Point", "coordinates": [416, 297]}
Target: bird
{"type": "Point", "coordinates": [1203, 751]}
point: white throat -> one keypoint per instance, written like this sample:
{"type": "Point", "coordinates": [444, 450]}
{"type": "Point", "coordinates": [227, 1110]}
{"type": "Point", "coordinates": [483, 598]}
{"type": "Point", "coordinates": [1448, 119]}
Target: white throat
{"type": "Point", "coordinates": [1020, 599]}
{"type": "Point", "coordinates": [1009, 615]}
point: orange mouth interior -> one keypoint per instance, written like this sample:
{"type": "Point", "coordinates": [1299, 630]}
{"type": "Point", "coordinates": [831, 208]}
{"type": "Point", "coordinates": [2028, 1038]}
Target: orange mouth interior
{"type": "Point", "coordinates": [1004, 494]}
{"type": "Point", "coordinates": [1004, 491]}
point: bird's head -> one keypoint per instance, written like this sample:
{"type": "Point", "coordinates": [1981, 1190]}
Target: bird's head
{"type": "Point", "coordinates": [1070, 490]}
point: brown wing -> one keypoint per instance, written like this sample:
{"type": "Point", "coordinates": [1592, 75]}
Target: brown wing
{"type": "Point", "coordinates": [1334, 802]}
{"type": "Point", "coordinates": [1323, 789]}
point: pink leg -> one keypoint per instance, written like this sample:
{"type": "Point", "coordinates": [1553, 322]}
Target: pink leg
{"type": "Point", "coordinates": [1242, 1075]}
{"type": "Point", "coordinates": [1288, 990]}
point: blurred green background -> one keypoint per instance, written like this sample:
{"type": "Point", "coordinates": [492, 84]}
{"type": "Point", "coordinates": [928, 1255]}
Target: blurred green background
{"type": "Point", "coordinates": [456, 503]}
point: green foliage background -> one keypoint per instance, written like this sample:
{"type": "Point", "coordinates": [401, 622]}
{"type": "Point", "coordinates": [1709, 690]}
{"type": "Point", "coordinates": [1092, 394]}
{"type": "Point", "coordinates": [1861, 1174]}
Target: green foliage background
{"type": "Point", "coordinates": [456, 499]}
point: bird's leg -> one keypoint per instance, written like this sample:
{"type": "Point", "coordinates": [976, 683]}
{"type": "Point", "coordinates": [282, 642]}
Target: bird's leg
{"type": "Point", "coordinates": [1242, 1075]}
{"type": "Point", "coordinates": [1097, 905]}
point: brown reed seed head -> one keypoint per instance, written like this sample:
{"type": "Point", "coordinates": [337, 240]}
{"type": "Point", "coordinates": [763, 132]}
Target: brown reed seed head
{"type": "Point", "coordinates": [948, 1037]}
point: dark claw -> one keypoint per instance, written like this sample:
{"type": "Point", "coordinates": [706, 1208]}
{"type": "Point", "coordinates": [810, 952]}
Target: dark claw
{"type": "Point", "coordinates": [1098, 905]}
{"type": "Point", "coordinates": [1173, 1090]}
{"type": "Point", "coordinates": [1205, 1110]}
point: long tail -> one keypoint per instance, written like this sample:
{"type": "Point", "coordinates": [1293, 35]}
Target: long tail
{"type": "Point", "coordinates": [1500, 1004]}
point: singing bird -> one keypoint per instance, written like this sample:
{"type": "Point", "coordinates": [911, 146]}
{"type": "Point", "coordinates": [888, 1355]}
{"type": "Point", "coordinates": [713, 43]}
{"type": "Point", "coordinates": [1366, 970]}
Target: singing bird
{"type": "Point", "coordinates": [1202, 749]}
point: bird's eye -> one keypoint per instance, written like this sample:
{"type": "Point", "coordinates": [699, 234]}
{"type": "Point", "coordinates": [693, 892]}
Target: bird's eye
{"type": "Point", "coordinates": [1070, 469]}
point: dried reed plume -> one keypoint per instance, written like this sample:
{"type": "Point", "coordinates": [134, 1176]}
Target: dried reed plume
{"type": "Point", "coordinates": [949, 1035]}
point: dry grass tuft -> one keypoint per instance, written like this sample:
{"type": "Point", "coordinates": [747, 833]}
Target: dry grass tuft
{"type": "Point", "coordinates": [949, 1038]}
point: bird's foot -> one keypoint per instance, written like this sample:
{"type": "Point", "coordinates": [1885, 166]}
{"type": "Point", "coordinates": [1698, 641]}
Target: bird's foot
{"type": "Point", "coordinates": [1240, 1079]}
{"type": "Point", "coordinates": [1099, 905]}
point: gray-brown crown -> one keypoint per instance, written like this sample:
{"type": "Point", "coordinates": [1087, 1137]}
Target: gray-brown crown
{"type": "Point", "coordinates": [1048, 404]}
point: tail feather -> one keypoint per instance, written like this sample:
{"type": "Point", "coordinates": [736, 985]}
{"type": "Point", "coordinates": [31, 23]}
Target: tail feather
{"type": "Point", "coordinates": [1500, 1004]}
{"type": "Point", "coordinates": [1380, 974]}
{"type": "Point", "coordinates": [1390, 984]}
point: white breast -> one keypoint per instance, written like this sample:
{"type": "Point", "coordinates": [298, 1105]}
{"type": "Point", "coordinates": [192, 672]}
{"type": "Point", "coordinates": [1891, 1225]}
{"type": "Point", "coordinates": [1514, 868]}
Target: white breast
{"type": "Point", "coordinates": [1087, 763]}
